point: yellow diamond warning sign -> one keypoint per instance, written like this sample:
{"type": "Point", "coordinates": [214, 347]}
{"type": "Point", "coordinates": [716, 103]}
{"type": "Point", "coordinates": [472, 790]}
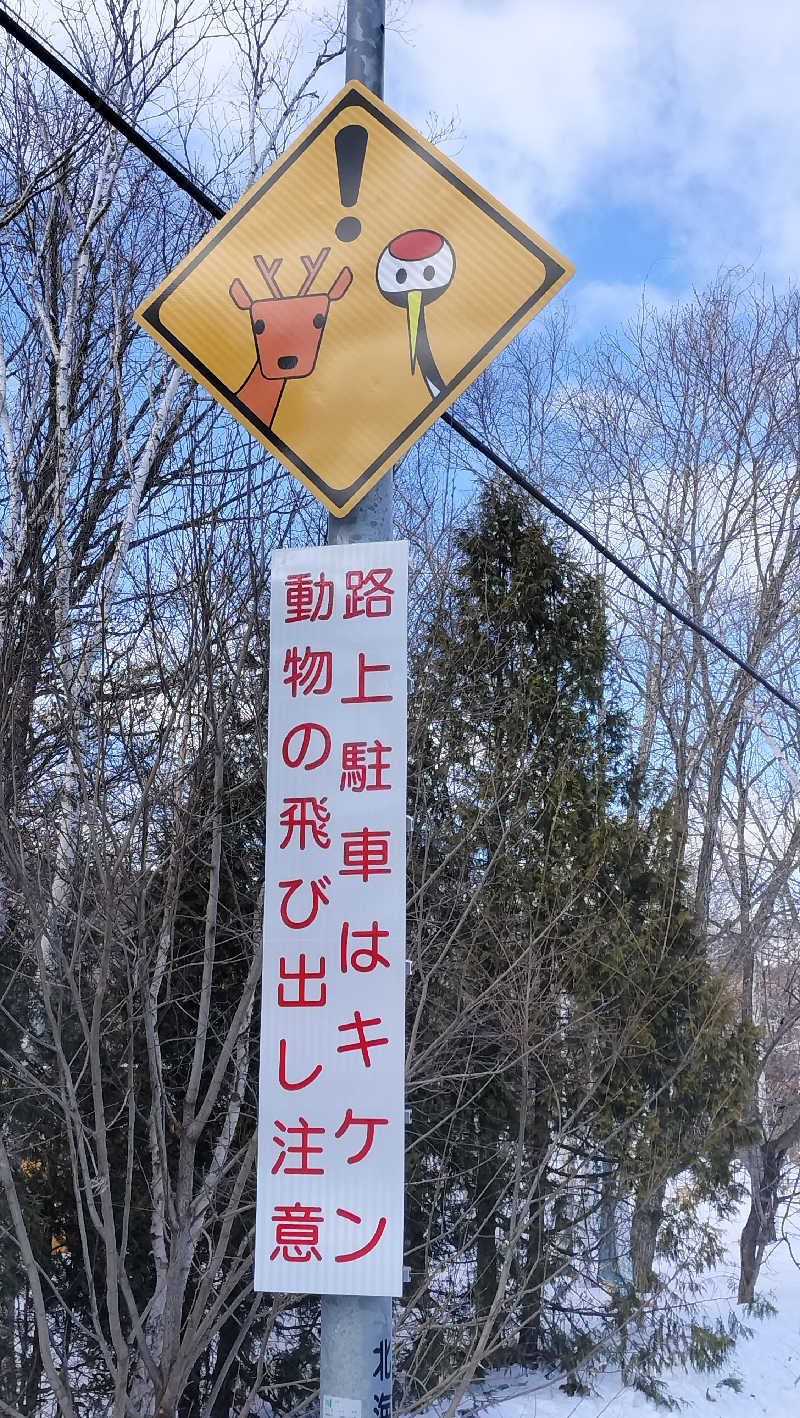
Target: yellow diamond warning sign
{"type": "Point", "coordinates": [351, 295]}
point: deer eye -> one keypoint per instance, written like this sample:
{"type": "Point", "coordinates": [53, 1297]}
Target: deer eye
{"type": "Point", "coordinates": [259, 327]}
{"type": "Point", "coordinates": [318, 322]}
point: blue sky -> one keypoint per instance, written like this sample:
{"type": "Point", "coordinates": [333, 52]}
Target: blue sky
{"type": "Point", "coordinates": [653, 141]}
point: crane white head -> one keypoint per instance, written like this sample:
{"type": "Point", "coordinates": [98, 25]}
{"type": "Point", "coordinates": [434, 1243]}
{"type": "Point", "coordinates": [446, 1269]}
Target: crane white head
{"type": "Point", "coordinates": [414, 270]}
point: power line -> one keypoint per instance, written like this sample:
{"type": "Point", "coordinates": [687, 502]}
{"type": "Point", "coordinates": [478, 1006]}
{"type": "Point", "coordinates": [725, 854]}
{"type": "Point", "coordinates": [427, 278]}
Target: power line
{"type": "Point", "coordinates": [519, 478]}
{"type": "Point", "coordinates": [46, 56]}
{"type": "Point", "coordinates": [187, 184]}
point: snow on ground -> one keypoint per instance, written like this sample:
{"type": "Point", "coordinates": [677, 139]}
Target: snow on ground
{"type": "Point", "coordinates": [767, 1365]}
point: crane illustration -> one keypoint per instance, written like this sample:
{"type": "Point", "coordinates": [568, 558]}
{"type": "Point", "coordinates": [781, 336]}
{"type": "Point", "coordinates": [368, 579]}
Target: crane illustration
{"type": "Point", "coordinates": [414, 270]}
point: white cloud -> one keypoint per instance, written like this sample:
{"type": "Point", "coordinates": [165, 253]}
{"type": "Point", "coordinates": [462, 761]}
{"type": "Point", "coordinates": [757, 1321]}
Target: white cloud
{"type": "Point", "coordinates": [608, 304]}
{"type": "Point", "coordinates": [686, 107]}
{"type": "Point", "coordinates": [681, 112]}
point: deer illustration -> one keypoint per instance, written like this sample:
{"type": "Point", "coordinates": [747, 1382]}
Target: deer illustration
{"type": "Point", "coordinates": [287, 331]}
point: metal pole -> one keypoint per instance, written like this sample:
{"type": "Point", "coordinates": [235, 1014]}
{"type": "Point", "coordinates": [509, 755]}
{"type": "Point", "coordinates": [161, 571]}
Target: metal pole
{"type": "Point", "coordinates": [371, 520]}
{"type": "Point", "coordinates": [365, 29]}
{"type": "Point", "coordinates": [356, 1339]}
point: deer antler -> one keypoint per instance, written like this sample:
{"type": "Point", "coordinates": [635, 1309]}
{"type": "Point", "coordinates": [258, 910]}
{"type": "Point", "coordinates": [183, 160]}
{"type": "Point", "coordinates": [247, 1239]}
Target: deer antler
{"type": "Point", "coordinates": [268, 272]}
{"type": "Point", "coordinates": [313, 268]}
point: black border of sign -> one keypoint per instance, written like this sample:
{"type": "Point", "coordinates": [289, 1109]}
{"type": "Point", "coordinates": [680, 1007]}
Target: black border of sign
{"type": "Point", "coordinates": [351, 99]}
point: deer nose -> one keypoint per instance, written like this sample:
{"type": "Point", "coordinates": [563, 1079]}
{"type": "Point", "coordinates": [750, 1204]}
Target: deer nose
{"type": "Point", "coordinates": [287, 361]}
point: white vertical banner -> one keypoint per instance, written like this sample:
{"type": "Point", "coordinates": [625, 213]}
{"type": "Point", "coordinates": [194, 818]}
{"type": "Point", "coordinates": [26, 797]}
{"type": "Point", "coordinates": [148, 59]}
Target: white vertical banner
{"type": "Point", "coordinates": [329, 1216]}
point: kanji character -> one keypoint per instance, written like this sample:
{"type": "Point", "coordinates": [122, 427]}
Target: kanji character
{"type": "Point", "coordinates": [383, 1368]}
{"type": "Point", "coordinates": [305, 671]}
{"type": "Point", "coordinates": [369, 593]}
{"type": "Point", "coordinates": [304, 815]}
{"type": "Point", "coordinates": [317, 896]}
{"type": "Point", "coordinates": [301, 976]}
{"type": "Point", "coordinates": [354, 767]}
{"type": "Point", "coordinates": [366, 853]}
{"type": "Point", "coordinates": [369, 1123]}
{"type": "Point", "coordinates": [303, 1149]}
{"type": "Point", "coordinates": [283, 1080]}
{"type": "Point", "coordinates": [362, 697]}
{"type": "Point", "coordinates": [363, 1043]}
{"type": "Point", "coordinates": [307, 599]}
{"type": "Point", "coordinates": [364, 958]}
{"type": "Point", "coordinates": [356, 770]}
{"type": "Point", "coordinates": [297, 1231]}
{"type": "Point", "coordinates": [293, 758]}
{"type": "Point", "coordinates": [371, 1244]}
{"type": "Point", "coordinates": [381, 1404]}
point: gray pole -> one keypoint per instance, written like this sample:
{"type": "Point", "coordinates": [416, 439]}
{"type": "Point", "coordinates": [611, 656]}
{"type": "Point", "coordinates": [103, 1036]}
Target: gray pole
{"type": "Point", "coordinates": [371, 520]}
{"type": "Point", "coordinates": [356, 1339]}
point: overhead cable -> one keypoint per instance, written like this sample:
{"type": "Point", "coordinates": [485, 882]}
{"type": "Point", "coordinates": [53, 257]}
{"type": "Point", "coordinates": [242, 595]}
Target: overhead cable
{"type": "Point", "coordinates": [46, 56]}
{"type": "Point", "coordinates": [187, 184]}
{"type": "Point", "coordinates": [575, 526]}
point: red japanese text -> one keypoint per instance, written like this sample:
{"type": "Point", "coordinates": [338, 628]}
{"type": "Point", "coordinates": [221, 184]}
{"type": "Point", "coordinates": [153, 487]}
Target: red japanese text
{"type": "Point", "coordinates": [362, 697]}
{"type": "Point", "coordinates": [362, 958]}
{"type": "Point", "coordinates": [309, 670]}
{"type": "Point", "coordinates": [364, 766]}
{"type": "Point", "coordinates": [301, 1150]}
{"type": "Point", "coordinates": [304, 816]}
{"type": "Point", "coordinates": [361, 1042]}
{"type": "Point", "coordinates": [297, 1232]}
{"type": "Point", "coordinates": [318, 898]}
{"type": "Point", "coordinates": [366, 853]}
{"type": "Point", "coordinates": [307, 599]}
{"type": "Point", "coordinates": [368, 593]}
{"type": "Point", "coordinates": [297, 745]}
{"type": "Point", "coordinates": [302, 976]}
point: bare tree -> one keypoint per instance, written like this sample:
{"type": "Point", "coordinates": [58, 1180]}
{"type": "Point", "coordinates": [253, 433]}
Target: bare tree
{"type": "Point", "coordinates": [685, 458]}
{"type": "Point", "coordinates": [136, 526]}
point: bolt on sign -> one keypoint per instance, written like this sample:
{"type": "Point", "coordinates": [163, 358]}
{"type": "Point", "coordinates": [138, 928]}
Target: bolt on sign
{"type": "Point", "coordinates": [351, 295]}
{"type": "Point", "coordinates": [329, 1216]}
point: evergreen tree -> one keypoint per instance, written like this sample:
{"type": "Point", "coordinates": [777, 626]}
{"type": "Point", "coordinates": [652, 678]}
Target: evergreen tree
{"type": "Point", "coordinates": [564, 1017]}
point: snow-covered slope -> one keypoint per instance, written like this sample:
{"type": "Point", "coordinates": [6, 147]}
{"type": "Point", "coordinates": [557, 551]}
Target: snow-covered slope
{"type": "Point", "coordinates": [763, 1376]}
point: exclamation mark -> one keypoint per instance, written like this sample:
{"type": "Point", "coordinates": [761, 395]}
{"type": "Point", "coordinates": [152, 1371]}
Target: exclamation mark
{"type": "Point", "coordinates": [351, 149]}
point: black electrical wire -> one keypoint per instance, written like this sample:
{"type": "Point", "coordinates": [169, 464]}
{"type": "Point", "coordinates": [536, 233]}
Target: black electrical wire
{"type": "Point", "coordinates": [191, 188]}
{"type": "Point", "coordinates": [46, 56]}
{"type": "Point", "coordinates": [627, 571]}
